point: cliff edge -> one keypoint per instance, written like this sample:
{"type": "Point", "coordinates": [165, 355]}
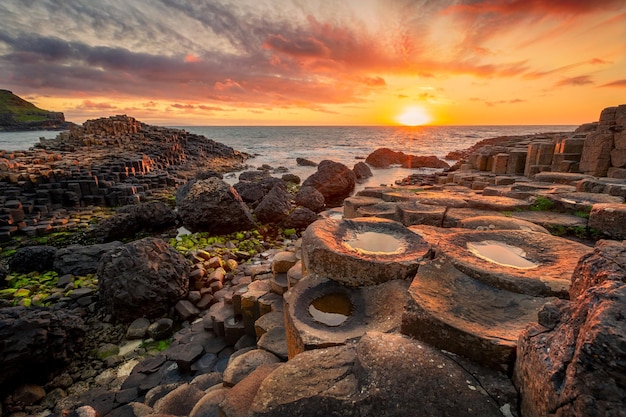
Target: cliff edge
{"type": "Point", "coordinates": [18, 114]}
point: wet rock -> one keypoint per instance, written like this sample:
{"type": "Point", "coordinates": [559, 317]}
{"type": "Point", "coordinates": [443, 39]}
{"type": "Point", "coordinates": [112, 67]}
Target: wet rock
{"type": "Point", "coordinates": [310, 198]}
{"type": "Point", "coordinates": [305, 162]}
{"type": "Point", "coordinates": [33, 258]}
{"type": "Point", "coordinates": [362, 170]}
{"type": "Point", "coordinates": [214, 206]}
{"type": "Point", "coordinates": [81, 260]}
{"type": "Point", "coordinates": [36, 341]}
{"type": "Point", "coordinates": [244, 364]}
{"type": "Point", "coordinates": [142, 278]}
{"type": "Point", "coordinates": [334, 180]}
{"type": "Point", "coordinates": [275, 205]}
{"type": "Point", "coordinates": [300, 218]}
{"type": "Point", "coordinates": [577, 368]}
{"type": "Point", "coordinates": [383, 374]}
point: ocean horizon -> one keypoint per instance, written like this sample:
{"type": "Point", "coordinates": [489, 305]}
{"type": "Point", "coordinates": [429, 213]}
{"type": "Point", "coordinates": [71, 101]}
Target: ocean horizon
{"type": "Point", "coordinates": [279, 146]}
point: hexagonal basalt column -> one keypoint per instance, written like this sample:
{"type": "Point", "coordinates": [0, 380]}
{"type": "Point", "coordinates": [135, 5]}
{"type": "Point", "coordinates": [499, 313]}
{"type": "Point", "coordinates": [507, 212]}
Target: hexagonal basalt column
{"type": "Point", "coordinates": [524, 262]}
{"type": "Point", "coordinates": [362, 251]}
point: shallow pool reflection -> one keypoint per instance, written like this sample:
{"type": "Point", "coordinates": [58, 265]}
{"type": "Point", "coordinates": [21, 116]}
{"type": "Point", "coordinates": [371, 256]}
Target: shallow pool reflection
{"type": "Point", "coordinates": [331, 309]}
{"type": "Point", "coordinates": [374, 242]}
{"type": "Point", "coordinates": [501, 254]}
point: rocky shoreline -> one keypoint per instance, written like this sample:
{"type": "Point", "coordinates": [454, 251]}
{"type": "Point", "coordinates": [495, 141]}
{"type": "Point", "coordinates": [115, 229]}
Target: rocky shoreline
{"type": "Point", "coordinates": [219, 321]}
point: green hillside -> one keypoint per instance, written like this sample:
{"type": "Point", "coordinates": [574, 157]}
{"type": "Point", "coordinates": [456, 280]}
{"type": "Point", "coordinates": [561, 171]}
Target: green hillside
{"type": "Point", "coordinates": [18, 114]}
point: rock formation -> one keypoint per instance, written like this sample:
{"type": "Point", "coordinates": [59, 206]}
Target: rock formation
{"type": "Point", "coordinates": [143, 278]}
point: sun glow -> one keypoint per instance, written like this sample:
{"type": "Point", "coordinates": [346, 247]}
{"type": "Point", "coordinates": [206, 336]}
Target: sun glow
{"type": "Point", "coordinates": [414, 116]}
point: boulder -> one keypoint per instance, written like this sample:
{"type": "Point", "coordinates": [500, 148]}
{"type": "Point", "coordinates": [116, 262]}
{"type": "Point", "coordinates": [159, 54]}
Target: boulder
{"type": "Point", "coordinates": [33, 258]}
{"type": "Point", "coordinates": [382, 374]}
{"type": "Point", "coordinates": [384, 157]}
{"type": "Point", "coordinates": [129, 220]}
{"type": "Point", "coordinates": [36, 341]}
{"type": "Point", "coordinates": [142, 278]}
{"type": "Point", "coordinates": [292, 178]}
{"type": "Point", "coordinates": [214, 206]}
{"type": "Point", "coordinates": [430, 161]}
{"type": "Point", "coordinates": [571, 363]}
{"type": "Point", "coordinates": [81, 260]}
{"type": "Point", "coordinates": [333, 180]}
{"type": "Point", "coordinates": [241, 366]}
{"type": "Point", "coordinates": [300, 218]}
{"type": "Point", "coordinates": [362, 171]}
{"type": "Point", "coordinates": [310, 198]}
{"type": "Point", "coordinates": [253, 176]}
{"type": "Point", "coordinates": [275, 206]}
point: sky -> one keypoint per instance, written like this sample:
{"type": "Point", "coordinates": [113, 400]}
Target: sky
{"type": "Point", "coordinates": [326, 62]}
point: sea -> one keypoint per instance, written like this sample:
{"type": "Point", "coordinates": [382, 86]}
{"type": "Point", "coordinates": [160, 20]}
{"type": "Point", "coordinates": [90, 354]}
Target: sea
{"type": "Point", "coordinates": [279, 146]}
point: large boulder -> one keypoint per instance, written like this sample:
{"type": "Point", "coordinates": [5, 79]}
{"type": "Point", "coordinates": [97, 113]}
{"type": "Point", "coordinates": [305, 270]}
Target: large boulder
{"type": "Point", "coordinates": [333, 180]}
{"type": "Point", "coordinates": [33, 258]}
{"type": "Point", "coordinates": [252, 191]}
{"type": "Point", "coordinates": [214, 206]}
{"type": "Point", "coordinates": [571, 363]}
{"type": "Point", "coordinates": [142, 279]}
{"type": "Point", "coordinates": [384, 157]}
{"type": "Point", "coordinates": [275, 206]}
{"type": "Point", "coordinates": [35, 341]}
{"type": "Point", "coordinates": [129, 220]}
{"type": "Point", "coordinates": [81, 260]}
{"type": "Point", "coordinates": [381, 375]}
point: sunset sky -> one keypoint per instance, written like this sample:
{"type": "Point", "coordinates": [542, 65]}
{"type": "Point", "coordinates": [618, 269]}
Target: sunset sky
{"type": "Point", "coordinates": [298, 62]}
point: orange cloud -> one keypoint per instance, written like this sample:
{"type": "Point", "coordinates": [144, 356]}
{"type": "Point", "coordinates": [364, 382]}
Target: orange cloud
{"type": "Point", "coordinates": [616, 83]}
{"type": "Point", "coordinates": [575, 81]}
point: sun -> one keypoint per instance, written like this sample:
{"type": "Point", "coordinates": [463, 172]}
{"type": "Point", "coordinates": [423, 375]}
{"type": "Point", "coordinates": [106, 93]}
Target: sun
{"type": "Point", "coordinates": [414, 116]}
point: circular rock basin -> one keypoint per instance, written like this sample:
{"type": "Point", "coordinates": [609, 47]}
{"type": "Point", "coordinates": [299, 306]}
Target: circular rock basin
{"type": "Point", "coordinates": [525, 262]}
{"type": "Point", "coordinates": [331, 309]}
{"type": "Point", "coordinates": [362, 251]}
{"type": "Point", "coordinates": [320, 312]}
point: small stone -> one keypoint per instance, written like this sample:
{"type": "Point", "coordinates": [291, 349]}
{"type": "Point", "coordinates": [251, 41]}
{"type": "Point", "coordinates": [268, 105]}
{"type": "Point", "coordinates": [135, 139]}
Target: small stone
{"type": "Point", "coordinates": [138, 328]}
{"type": "Point", "coordinates": [29, 394]}
{"type": "Point", "coordinates": [186, 310]}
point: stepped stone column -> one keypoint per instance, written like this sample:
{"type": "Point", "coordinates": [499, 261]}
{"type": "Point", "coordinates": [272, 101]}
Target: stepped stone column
{"type": "Point", "coordinates": [500, 162]}
{"type": "Point", "coordinates": [516, 162]}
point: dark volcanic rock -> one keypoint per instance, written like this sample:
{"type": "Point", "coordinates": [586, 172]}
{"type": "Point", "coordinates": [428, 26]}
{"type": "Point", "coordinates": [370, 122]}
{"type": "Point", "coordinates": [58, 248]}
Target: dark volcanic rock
{"type": "Point", "coordinates": [305, 162]}
{"type": "Point", "coordinates": [333, 180]}
{"type": "Point", "coordinates": [129, 220]}
{"type": "Point", "coordinates": [81, 260]}
{"type": "Point", "coordinates": [381, 375]}
{"type": "Point", "coordinates": [275, 205]}
{"type": "Point", "coordinates": [300, 218]}
{"type": "Point", "coordinates": [35, 341]}
{"type": "Point", "coordinates": [310, 198]}
{"type": "Point", "coordinates": [142, 278]}
{"type": "Point", "coordinates": [214, 206]}
{"type": "Point", "coordinates": [572, 362]}
{"type": "Point", "coordinates": [33, 258]}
